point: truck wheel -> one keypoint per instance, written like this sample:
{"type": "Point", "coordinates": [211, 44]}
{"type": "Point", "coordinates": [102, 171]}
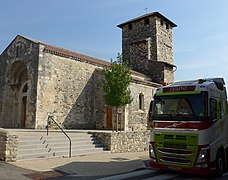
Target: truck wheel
{"type": "Point", "coordinates": [219, 164]}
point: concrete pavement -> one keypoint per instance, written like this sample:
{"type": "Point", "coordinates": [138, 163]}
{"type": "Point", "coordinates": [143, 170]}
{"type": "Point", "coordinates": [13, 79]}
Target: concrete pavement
{"type": "Point", "coordinates": [99, 164]}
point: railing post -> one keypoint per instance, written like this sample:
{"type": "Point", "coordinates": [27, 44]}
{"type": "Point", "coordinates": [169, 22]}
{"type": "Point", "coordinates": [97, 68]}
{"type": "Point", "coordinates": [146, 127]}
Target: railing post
{"type": "Point", "coordinates": [49, 122]}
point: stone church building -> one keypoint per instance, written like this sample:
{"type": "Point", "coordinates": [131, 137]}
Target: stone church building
{"type": "Point", "coordinates": [38, 79]}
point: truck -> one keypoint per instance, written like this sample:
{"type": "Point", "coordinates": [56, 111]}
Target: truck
{"type": "Point", "coordinates": [189, 127]}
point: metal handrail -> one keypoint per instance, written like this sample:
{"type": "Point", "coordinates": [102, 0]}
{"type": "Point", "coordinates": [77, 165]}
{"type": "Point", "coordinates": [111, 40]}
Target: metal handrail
{"type": "Point", "coordinates": [49, 122]}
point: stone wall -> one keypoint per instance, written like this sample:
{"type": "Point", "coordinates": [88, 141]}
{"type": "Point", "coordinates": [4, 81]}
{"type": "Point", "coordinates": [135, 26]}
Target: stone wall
{"type": "Point", "coordinates": [149, 40]}
{"type": "Point", "coordinates": [18, 66]}
{"type": "Point", "coordinates": [8, 146]}
{"type": "Point", "coordinates": [69, 90]}
{"type": "Point", "coordinates": [137, 118]}
{"type": "Point", "coordinates": [2, 84]}
{"type": "Point", "coordinates": [118, 142]}
{"type": "Point", "coordinates": [139, 44]}
{"type": "Point", "coordinates": [164, 41]}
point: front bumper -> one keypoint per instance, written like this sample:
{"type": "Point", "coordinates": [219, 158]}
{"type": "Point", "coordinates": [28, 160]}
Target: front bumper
{"type": "Point", "coordinates": [191, 170]}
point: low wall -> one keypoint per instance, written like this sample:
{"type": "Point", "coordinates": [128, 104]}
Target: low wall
{"type": "Point", "coordinates": [124, 141]}
{"type": "Point", "coordinates": [8, 145]}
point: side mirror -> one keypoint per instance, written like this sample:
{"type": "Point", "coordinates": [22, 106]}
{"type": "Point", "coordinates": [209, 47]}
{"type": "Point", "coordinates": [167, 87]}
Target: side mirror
{"type": "Point", "coordinates": [150, 111]}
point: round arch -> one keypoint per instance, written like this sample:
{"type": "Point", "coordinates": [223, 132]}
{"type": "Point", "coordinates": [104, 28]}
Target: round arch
{"type": "Point", "coordinates": [15, 96]}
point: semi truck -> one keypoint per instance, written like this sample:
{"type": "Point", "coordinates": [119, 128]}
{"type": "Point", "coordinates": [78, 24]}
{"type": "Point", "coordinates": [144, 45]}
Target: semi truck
{"type": "Point", "coordinates": [189, 127]}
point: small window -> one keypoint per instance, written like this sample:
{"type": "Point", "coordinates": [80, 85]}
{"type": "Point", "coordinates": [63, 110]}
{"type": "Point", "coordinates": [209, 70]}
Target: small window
{"type": "Point", "coordinates": [162, 22]}
{"type": "Point", "coordinates": [167, 25]}
{"type": "Point", "coordinates": [141, 101]}
{"type": "Point", "coordinates": [25, 88]}
{"type": "Point", "coordinates": [146, 21]}
{"type": "Point", "coordinates": [130, 26]}
{"type": "Point", "coordinates": [17, 52]}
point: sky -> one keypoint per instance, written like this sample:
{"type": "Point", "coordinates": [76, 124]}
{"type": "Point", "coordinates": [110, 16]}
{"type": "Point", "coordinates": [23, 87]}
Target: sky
{"type": "Point", "coordinates": [90, 27]}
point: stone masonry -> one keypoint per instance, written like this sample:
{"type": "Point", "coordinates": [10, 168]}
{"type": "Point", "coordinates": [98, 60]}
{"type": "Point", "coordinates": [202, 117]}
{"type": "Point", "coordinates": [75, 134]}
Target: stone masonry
{"type": "Point", "coordinates": [65, 85]}
{"type": "Point", "coordinates": [124, 141]}
{"type": "Point", "coordinates": [8, 145]}
{"type": "Point", "coordinates": [147, 45]}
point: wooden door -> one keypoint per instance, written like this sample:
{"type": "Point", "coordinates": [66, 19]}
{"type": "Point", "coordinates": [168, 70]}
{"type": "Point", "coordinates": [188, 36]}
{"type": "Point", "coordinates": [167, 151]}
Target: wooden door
{"type": "Point", "coordinates": [23, 113]}
{"type": "Point", "coordinates": [109, 118]}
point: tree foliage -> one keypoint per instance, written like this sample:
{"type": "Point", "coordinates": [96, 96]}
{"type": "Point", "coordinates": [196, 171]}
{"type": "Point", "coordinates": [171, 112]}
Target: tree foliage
{"type": "Point", "coordinates": [117, 81]}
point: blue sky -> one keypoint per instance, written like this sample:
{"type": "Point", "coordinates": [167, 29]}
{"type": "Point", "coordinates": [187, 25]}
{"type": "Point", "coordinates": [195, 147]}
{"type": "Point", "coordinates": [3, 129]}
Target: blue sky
{"type": "Point", "coordinates": [89, 27]}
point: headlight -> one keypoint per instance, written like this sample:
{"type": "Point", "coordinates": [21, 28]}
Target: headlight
{"type": "Point", "coordinates": [151, 151]}
{"type": "Point", "coordinates": [203, 155]}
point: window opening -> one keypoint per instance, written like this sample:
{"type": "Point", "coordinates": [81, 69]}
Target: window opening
{"type": "Point", "coordinates": [146, 21]}
{"type": "Point", "coordinates": [141, 101]}
{"type": "Point", "coordinates": [162, 22]}
{"type": "Point", "coordinates": [130, 26]}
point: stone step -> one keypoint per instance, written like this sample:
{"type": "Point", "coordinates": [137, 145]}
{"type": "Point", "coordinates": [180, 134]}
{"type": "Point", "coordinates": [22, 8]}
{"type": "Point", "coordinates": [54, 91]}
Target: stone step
{"type": "Point", "coordinates": [59, 136]}
{"type": "Point", "coordinates": [56, 140]}
{"type": "Point", "coordinates": [59, 154]}
{"type": "Point", "coordinates": [39, 145]}
{"type": "Point", "coordinates": [23, 149]}
{"type": "Point", "coordinates": [31, 144]}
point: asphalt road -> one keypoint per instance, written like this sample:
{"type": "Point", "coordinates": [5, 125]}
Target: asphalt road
{"type": "Point", "coordinates": [10, 172]}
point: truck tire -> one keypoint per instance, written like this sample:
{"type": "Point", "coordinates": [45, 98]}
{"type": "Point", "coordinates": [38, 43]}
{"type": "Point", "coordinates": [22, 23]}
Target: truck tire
{"type": "Point", "coordinates": [220, 165]}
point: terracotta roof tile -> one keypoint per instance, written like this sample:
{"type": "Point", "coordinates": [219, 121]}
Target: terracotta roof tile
{"type": "Point", "coordinates": [73, 55]}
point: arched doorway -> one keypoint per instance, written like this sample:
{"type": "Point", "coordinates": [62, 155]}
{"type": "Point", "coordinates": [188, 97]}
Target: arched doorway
{"type": "Point", "coordinates": [24, 105]}
{"type": "Point", "coordinates": [15, 95]}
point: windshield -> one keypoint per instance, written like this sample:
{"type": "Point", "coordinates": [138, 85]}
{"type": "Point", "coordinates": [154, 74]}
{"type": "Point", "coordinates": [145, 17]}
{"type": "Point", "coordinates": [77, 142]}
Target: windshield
{"type": "Point", "coordinates": [190, 107]}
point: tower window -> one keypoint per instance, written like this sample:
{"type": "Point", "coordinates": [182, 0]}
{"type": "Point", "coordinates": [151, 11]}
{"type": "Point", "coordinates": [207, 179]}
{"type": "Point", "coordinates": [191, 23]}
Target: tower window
{"type": "Point", "coordinates": [141, 101]}
{"type": "Point", "coordinates": [167, 25]}
{"type": "Point", "coordinates": [25, 88]}
{"type": "Point", "coordinates": [17, 52]}
{"type": "Point", "coordinates": [146, 21]}
{"type": "Point", "coordinates": [130, 26]}
{"type": "Point", "coordinates": [162, 22]}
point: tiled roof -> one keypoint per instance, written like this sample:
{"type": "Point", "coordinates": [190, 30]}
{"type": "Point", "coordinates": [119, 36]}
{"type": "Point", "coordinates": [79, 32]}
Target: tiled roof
{"type": "Point", "coordinates": [73, 55]}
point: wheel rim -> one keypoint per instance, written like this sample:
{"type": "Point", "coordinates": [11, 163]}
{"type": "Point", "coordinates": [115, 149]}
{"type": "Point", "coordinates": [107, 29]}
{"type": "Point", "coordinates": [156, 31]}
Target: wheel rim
{"type": "Point", "coordinates": [220, 165]}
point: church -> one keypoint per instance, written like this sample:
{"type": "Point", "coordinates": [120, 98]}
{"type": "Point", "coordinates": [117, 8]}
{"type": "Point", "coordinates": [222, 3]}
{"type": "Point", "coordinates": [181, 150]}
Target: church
{"type": "Point", "coordinates": [38, 80]}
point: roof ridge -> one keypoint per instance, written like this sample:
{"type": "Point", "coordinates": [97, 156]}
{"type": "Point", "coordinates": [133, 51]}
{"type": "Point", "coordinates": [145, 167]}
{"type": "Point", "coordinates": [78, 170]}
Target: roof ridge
{"type": "Point", "coordinates": [74, 55]}
{"type": "Point", "coordinates": [68, 53]}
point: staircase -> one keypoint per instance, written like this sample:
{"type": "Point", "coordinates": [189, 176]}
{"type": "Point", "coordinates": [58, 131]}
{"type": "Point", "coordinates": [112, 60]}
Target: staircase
{"type": "Point", "coordinates": [33, 144]}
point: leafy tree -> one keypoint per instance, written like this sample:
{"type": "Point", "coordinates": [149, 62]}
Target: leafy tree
{"type": "Point", "coordinates": [116, 86]}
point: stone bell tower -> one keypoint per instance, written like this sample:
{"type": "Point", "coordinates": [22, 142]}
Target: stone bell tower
{"type": "Point", "coordinates": [147, 46]}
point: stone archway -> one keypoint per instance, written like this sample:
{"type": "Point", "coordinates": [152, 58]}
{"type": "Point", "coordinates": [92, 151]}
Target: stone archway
{"type": "Point", "coordinates": [15, 96]}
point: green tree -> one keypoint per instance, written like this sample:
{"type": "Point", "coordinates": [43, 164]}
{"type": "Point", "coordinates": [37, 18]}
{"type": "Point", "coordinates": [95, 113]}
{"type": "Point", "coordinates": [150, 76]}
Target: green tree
{"type": "Point", "coordinates": [116, 85]}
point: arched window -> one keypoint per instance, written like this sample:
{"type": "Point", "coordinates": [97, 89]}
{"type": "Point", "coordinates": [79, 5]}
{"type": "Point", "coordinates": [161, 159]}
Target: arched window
{"type": "Point", "coordinates": [141, 101]}
{"type": "Point", "coordinates": [25, 88]}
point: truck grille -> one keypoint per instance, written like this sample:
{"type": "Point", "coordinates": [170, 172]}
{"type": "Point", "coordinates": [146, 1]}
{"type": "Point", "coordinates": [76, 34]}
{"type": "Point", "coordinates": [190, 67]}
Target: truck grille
{"type": "Point", "coordinates": [176, 148]}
